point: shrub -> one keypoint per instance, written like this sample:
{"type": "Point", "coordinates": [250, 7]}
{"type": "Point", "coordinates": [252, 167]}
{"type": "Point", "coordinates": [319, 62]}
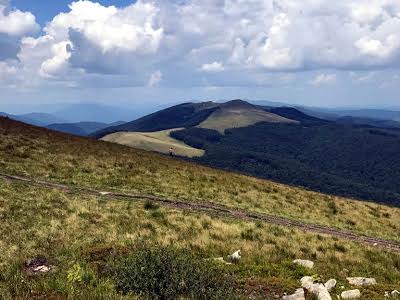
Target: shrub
{"type": "Point", "coordinates": [149, 205]}
{"type": "Point", "coordinates": [165, 272]}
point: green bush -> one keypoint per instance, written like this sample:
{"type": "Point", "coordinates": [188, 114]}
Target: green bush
{"type": "Point", "coordinates": [149, 205]}
{"type": "Point", "coordinates": [159, 272]}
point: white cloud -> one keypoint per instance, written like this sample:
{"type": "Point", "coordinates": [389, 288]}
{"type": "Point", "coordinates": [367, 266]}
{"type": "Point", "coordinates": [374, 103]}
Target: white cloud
{"type": "Point", "coordinates": [155, 79]}
{"type": "Point", "coordinates": [323, 79]}
{"type": "Point", "coordinates": [212, 67]}
{"type": "Point", "coordinates": [16, 22]}
{"type": "Point", "coordinates": [247, 37]}
{"type": "Point", "coordinates": [59, 61]}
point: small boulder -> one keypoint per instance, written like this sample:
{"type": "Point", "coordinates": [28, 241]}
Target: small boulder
{"type": "Point", "coordinates": [395, 294]}
{"type": "Point", "coordinates": [307, 282]}
{"type": "Point", "coordinates": [37, 266]}
{"type": "Point", "coordinates": [361, 281]}
{"type": "Point", "coordinates": [235, 257]}
{"type": "Point", "coordinates": [319, 290]}
{"type": "Point", "coordinates": [352, 294]}
{"type": "Point", "coordinates": [298, 295]}
{"type": "Point", "coordinates": [330, 284]}
{"type": "Point", "coordinates": [305, 263]}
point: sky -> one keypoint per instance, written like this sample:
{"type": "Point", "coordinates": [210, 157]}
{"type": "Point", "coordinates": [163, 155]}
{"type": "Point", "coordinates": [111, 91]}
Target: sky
{"type": "Point", "coordinates": [343, 53]}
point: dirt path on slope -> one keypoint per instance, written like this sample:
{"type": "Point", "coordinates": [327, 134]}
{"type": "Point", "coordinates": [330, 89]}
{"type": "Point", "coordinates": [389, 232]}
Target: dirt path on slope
{"type": "Point", "coordinates": [218, 210]}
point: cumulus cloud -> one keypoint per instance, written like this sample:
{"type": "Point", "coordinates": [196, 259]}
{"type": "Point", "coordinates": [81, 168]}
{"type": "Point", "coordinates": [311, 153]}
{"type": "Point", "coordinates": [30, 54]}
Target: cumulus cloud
{"type": "Point", "coordinates": [155, 79]}
{"type": "Point", "coordinates": [323, 79]}
{"type": "Point", "coordinates": [16, 22]}
{"type": "Point", "coordinates": [212, 67]}
{"type": "Point", "coordinates": [246, 37]}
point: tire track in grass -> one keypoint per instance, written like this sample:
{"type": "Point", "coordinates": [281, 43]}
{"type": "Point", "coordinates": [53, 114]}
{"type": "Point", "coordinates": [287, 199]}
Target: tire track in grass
{"type": "Point", "coordinates": [217, 210]}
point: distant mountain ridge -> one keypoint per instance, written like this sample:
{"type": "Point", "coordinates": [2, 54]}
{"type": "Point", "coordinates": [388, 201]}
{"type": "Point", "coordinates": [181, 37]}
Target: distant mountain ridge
{"type": "Point", "coordinates": [37, 119]}
{"type": "Point", "coordinates": [196, 114]}
{"type": "Point", "coordinates": [81, 128]}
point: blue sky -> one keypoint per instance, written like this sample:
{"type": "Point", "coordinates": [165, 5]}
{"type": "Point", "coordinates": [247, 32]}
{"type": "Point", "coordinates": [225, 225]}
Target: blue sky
{"type": "Point", "coordinates": [344, 53]}
{"type": "Point", "coordinates": [45, 10]}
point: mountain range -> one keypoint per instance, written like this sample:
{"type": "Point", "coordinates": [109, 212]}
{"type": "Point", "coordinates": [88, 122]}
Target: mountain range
{"type": "Point", "coordinates": [279, 143]}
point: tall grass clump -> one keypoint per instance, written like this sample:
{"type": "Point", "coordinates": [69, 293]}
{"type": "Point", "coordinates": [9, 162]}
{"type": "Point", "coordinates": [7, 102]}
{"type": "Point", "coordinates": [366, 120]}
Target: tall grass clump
{"type": "Point", "coordinates": [166, 272]}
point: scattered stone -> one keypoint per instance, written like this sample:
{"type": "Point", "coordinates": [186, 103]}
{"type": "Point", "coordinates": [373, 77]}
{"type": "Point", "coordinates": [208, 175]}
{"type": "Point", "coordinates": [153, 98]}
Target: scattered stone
{"type": "Point", "coordinates": [235, 257]}
{"type": "Point", "coordinates": [36, 266]}
{"type": "Point", "coordinates": [307, 282]}
{"type": "Point", "coordinates": [305, 263]}
{"type": "Point", "coordinates": [395, 294]}
{"type": "Point", "coordinates": [361, 281]}
{"type": "Point", "coordinates": [105, 193]}
{"type": "Point", "coordinates": [353, 294]}
{"type": "Point", "coordinates": [330, 284]}
{"type": "Point", "coordinates": [321, 292]}
{"type": "Point", "coordinates": [42, 269]}
{"type": "Point", "coordinates": [298, 295]}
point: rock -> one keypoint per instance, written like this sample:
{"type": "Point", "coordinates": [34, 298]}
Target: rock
{"type": "Point", "coordinates": [42, 269]}
{"type": "Point", "coordinates": [36, 266]}
{"type": "Point", "coordinates": [298, 295]}
{"type": "Point", "coordinates": [330, 284]}
{"type": "Point", "coordinates": [395, 294]}
{"type": "Point", "coordinates": [305, 263]}
{"type": "Point", "coordinates": [320, 291]}
{"type": "Point", "coordinates": [307, 282]}
{"type": "Point", "coordinates": [353, 294]}
{"type": "Point", "coordinates": [105, 193]}
{"type": "Point", "coordinates": [361, 281]}
{"type": "Point", "coordinates": [235, 257]}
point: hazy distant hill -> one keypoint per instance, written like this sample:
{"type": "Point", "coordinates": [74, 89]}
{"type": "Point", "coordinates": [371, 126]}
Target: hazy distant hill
{"type": "Point", "coordinates": [92, 112]}
{"type": "Point", "coordinates": [38, 119]}
{"type": "Point", "coordinates": [81, 128]}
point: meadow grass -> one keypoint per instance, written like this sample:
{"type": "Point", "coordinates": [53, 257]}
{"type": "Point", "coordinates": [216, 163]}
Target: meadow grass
{"type": "Point", "coordinates": [86, 231]}
{"type": "Point", "coordinates": [61, 158]}
{"type": "Point", "coordinates": [159, 141]}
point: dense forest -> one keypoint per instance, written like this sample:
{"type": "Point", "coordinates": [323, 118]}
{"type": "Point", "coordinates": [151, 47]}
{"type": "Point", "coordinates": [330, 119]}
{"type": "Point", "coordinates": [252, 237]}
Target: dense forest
{"type": "Point", "coordinates": [342, 159]}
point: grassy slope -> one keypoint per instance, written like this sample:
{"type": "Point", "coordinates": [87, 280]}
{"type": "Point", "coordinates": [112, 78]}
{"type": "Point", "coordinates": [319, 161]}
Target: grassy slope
{"type": "Point", "coordinates": [159, 141]}
{"type": "Point", "coordinates": [84, 230]}
{"type": "Point", "coordinates": [70, 228]}
{"type": "Point", "coordinates": [63, 158]}
{"type": "Point", "coordinates": [235, 117]}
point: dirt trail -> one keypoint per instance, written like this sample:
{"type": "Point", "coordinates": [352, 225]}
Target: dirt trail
{"type": "Point", "coordinates": [219, 210]}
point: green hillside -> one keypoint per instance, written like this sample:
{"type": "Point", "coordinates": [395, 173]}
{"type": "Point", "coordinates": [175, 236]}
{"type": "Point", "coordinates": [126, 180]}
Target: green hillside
{"type": "Point", "coordinates": [159, 141]}
{"type": "Point", "coordinates": [86, 236]}
{"type": "Point", "coordinates": [236, 114]}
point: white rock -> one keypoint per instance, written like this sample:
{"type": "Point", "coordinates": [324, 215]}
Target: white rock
{"type": "Point", "coordinates": [361, 281]}
{"type": "Point", "coordinates": [395, 294]}
{"type": "Point", "coordinates": [235, 257]}
{"type": "Point", "coordinates": [42, 269]}
{"type": "Point", "coordinates": [320, 291]}
{"type": "Point", "coordinates": [353, 294]}
{"type": "Point", "coordinates": [307, 282]}
{"type": "Point", "coordinates": [305, 263]}
{"type": "Point", "coordinates": [105, 193]}
{"type": "Point", "coordinates": [298, 295]}
{"type": "Point", "coordinates": [330, 284]}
